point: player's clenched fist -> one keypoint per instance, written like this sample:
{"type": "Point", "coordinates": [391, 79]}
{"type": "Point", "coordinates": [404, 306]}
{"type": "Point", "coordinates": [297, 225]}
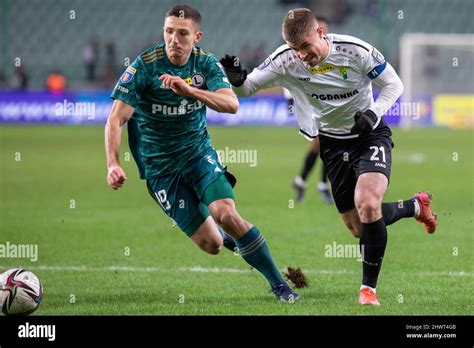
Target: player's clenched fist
{"type": "Point", "coordinates": [364, 122]}
{"type": "Point", "coordinates": [176, 84]}
{"type": "Point", "coordinates": [116, 177]}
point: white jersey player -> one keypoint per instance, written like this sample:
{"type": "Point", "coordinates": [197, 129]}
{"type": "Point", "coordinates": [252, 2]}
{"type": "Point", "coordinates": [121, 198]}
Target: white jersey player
{"type": "Point", "coordinates": [329, 94]}
{"type": "Point", "coordinates": [330, 78]}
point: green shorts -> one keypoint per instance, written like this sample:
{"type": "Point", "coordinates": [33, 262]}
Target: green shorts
{"type": "Point", "coordinates": [185, 195]}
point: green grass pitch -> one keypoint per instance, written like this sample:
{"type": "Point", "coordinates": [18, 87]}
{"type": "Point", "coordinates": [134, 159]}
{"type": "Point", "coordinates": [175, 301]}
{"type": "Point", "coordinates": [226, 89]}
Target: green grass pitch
{"type": "Point", "coordinates": [104, 252]}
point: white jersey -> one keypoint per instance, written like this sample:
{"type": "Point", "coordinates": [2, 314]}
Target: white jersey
{"type": "Point", "coordinates": [327, 95]}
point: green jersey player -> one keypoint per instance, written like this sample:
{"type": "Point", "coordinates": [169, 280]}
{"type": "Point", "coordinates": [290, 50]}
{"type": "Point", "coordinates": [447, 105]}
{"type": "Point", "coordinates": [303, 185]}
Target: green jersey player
{"type": "Point", "coordinates": [163, 96]}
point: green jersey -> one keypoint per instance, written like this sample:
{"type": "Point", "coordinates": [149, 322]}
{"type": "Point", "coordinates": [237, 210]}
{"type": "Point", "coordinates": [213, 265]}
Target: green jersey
{"type": "Point", "coordinates": [167, 130]}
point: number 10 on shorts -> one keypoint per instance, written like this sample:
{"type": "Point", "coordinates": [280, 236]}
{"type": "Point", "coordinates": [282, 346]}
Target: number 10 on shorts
{"type": "Point", "coordinates": [163, 199]}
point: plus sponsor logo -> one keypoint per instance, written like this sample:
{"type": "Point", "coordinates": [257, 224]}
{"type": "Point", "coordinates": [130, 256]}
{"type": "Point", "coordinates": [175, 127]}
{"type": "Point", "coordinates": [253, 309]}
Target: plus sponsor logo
{"type": "Point", "coordinates": [172, 110]}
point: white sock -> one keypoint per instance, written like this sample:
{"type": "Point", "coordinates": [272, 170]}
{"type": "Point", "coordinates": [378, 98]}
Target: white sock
{"type": "Point", "coordinates": [366, 286]}
{"type": "Point", "coordinates": [322, 186]}
{"type": "Point", "coordinates": [300, 182]}
{"type": "Point", "coordinates": [417, 208]}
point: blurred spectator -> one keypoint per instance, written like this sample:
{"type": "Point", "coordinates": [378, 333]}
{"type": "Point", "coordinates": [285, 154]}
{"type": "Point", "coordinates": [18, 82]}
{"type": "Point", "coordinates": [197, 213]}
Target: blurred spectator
{"type": "Point", "coordinates": [245, 55]}
{"type": "Point", "coordinates": [91, 58]}
{"type": "Point", "coordinates": [56, 82]}
{"type": "Point", "coordinates": [340, 10]}
{"type": "Point", "coordinates": [372, 8]}
{"type": "Point", "coordinates": [260, 54]}
{"type": "Point", "coordinates": [431, 66]}
{"type": "Point", "coordinates": [252, 56]}
{"type": "Point", "coordinates": [109, 76]}
{"type": "Point", "coordinates": [3, 80]}
{"type": "Point", "coordinates": [20, 79]}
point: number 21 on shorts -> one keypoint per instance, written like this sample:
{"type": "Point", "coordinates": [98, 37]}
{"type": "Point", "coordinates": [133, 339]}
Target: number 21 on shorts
{"type": "Point", "coordinates": [375, 156]}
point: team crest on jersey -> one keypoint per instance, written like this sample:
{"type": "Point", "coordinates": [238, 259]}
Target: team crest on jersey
{"type": "Point", "coordinates": [321, 69]}
{"type": "Point", "coordinates": [198, 80]}
{"type": "Point", "coordinates": [343, 72]}
{"type": "Point", "coordinates": [128, 75]}
{"type": "Point", "coordinates": [378, 56]}
{"type": "Point", "coordinates": [265, 63]}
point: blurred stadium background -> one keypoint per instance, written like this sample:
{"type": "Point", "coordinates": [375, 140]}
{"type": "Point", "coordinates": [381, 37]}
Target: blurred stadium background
{"type": "Point", "coordinates": [89, 43]}
{"type": "Point", "coordinates": [52, 179]}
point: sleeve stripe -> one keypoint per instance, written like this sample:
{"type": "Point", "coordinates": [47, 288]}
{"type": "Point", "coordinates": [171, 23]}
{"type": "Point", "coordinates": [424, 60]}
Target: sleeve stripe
{"type": "Point", "coordinates": [351, 43]}
{"type": "Point", "coordinates": [287, 49]}
{"type": "Point", "coordinates": [305, 134]}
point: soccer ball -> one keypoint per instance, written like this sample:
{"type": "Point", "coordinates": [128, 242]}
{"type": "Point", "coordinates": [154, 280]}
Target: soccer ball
{"type": "Point", "coordinates": [20, 292]}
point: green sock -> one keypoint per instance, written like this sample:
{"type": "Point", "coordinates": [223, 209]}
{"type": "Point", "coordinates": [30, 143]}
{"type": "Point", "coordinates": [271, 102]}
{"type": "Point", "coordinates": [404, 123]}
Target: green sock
{"type": "Point", "coordinates": [254, 250]}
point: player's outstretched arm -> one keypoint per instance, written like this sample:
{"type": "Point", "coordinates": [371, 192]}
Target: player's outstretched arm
{"type": "Point", "coordinates": [244, 84]}
{"type": "Point", "coordinates": [392, 89]}
{"type": "Point", "coordinates": [119, 115]}
{"type": "Point", "coordinates": [237, 76]}
{"type": "Point", "coordinates": [222, 100]}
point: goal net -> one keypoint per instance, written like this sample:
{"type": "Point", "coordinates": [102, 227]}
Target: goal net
{"type": "Point", "coordinates": [438, 74]}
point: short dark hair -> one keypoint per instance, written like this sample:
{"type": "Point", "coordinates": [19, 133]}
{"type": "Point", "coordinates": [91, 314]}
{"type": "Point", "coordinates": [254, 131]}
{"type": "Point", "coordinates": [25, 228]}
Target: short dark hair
{"type": "Point", "coordinates": [185, 12]}
{"type": "Point", "coordinates": [297, 22]}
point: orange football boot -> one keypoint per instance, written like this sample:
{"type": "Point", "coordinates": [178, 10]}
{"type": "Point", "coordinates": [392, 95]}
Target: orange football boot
{"type": "Point", "coordinates": [367, 296]}
{"type": "Point", "coordinates": [426, 217]}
